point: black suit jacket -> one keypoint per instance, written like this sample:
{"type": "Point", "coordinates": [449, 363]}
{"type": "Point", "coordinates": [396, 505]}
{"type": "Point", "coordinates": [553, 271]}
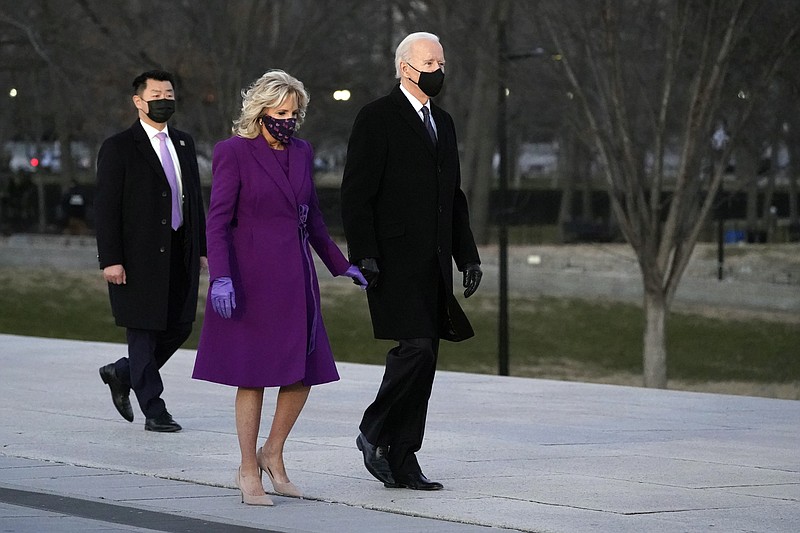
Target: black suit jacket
{"type": "Point", "coordinates": [402, 203]}
{"type": "Point", "coordinates": [133, 207]}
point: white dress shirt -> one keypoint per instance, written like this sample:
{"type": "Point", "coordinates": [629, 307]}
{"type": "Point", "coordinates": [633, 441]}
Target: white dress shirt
{"type": "Point", "coordinates": [156, 142]}
{"type": "Point", "coordinates": [418, 107]}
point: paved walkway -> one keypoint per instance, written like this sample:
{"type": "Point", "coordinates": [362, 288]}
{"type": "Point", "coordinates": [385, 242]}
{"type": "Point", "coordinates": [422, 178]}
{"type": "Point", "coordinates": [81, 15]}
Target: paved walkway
{"type": "Point", "coordinates": [514, 454]}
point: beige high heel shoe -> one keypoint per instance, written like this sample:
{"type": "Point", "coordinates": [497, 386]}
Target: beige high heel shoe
{"type": "Point", "coordinates": [284, 489]}
{"type": "Point", "coordinates": [251, 499]}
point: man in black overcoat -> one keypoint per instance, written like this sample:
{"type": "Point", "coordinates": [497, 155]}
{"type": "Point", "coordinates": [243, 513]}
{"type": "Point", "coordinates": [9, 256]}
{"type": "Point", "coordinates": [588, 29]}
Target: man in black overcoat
{"type": "Point", "coordinates": [151, 243]}
{"type": "Point", "coordinates": [406, 220]}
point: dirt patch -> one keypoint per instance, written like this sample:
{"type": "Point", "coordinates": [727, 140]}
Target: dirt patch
{"type": "Point", "coordinates": [740, 315]}
{"type": "Point", "coordinates": [567, 370]}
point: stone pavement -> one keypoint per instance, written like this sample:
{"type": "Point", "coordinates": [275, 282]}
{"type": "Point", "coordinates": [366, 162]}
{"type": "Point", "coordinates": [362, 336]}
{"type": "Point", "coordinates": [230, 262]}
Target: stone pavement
{"type": "Point", "coordinates": [514, 454]}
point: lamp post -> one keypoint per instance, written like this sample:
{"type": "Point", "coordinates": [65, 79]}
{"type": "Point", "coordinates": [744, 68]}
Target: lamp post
{"type": "Point", "coordinates": [503, 59]}
{"type": "Point", "coordinates": [719, 140]}
{"type": "Point", "coordinates": [502, 170]}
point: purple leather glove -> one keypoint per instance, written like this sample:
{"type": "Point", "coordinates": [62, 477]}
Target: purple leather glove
{"type": "Point", "coordinates": [223, 299]}
{"type": "Point", "coordinates": [358, 277]}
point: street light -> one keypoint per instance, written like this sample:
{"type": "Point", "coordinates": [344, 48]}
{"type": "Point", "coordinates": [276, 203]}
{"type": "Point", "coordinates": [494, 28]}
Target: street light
{"type": "Point", "coordinates": [502, 170]}
{"type": "Point", "coordinates": [342, 95]}
{"type": "Point", "coordinates": [719, 140]}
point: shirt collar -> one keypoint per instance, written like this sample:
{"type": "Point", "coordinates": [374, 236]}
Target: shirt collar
{"type": "Point", "coordinates": [414, 102]}
{"type": "Point", "coordinates": [151, 131]}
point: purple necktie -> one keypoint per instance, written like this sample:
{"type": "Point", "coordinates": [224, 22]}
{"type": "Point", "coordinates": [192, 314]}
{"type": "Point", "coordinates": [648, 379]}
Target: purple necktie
{"type": "Point", "coordinates": [172, 178]}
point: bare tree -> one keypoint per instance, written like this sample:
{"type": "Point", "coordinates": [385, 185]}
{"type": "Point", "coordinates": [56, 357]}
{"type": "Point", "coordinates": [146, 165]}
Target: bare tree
{"type": "Point", "coordinates": [650, 77]}
{"type": "Point", "coordinates": [467, 31]}
{"type": "Point", "coordinates": [215, 48]}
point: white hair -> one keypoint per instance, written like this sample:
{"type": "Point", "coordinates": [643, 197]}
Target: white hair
{"type": "Point", "coordinates": [404, 48]}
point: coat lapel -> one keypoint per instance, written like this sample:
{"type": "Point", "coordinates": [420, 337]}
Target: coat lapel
{"type": "Point", "coordinates": [442, 132]}
{"type": "Point", "coordinates": [261, 152]}
{"type": "Point", "coordinates": [183, 153]}
{"type": "Point", "coordinates": [144, 147]}
{"type": "Point", "coordinates": [297, 164]}
{"type": "Point", "coordinates": [406, 110]}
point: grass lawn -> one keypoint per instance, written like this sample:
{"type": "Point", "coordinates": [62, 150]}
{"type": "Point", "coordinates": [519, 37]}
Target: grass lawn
{"type": "Point", "coordinates": [549, 337]}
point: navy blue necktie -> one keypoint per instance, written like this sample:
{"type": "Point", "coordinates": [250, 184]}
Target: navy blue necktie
{"type": "Point", "coordinates": [426, 118]}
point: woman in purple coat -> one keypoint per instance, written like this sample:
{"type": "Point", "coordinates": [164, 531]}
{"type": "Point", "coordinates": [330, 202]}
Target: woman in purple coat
{"type": "Point", "coordinates": [263, 326]}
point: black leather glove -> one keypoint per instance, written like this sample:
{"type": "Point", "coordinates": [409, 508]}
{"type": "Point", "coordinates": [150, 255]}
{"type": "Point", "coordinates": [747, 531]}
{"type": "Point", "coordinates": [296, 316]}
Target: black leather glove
{"type": "Point", "coordinates": [369, 268]}
{"type": "Point", "coordinates": [472, 278]}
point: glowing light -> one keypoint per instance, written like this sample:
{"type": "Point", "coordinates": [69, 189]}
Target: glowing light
{"type": "Point", "coordinates": [34, 162]}
{"type": "Point", "coordinates": [341, 95]}
{"type": "Point", "coordinates": [12, 93]}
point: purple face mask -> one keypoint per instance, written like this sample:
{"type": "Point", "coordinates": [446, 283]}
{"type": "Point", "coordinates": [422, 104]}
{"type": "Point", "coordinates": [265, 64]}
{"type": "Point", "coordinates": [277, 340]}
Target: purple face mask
{"type": "Point", "coordinates": [280, 128]}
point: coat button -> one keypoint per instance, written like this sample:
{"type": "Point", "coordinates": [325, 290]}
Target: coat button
{"type": "Point", "coordinates": [162, 249]}
{"type": "Point", "coordinates": [439, 249]}
{"type": "Point", "coordinates": [163, 221]}
{"type": "Point", "coordinates": [163, 194]}
{"type": "Point", "coordinates": [440, 209]}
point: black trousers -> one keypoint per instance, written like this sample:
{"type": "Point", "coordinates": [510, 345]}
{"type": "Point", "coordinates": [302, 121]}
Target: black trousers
{"type": "Point", "coordinates": [148, 350]}
{"type": "Point", "coordinates": [397, 416]}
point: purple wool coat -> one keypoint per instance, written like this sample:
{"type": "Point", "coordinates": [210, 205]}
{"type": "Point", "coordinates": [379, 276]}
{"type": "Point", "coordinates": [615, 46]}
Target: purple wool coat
{"type": "Point", "coordinates": [256, 236]}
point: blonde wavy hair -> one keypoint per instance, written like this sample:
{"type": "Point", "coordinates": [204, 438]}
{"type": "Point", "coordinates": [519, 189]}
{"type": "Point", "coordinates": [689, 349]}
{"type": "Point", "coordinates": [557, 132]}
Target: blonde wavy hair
{"type": "Point", "coordinates": [268, 91]}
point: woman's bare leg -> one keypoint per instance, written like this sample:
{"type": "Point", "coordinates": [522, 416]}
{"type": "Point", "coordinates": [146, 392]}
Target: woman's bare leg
{"type": "Point", "coordinates": [291, 400]}
{"type": "Point", "coordinates": [248, 420]}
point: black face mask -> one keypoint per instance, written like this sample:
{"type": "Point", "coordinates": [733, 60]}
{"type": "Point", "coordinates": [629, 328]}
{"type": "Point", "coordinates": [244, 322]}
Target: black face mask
{"type": "Point", "coordinates": [430, 82]}
{"type": "Point", "coordinates": [160, 110]}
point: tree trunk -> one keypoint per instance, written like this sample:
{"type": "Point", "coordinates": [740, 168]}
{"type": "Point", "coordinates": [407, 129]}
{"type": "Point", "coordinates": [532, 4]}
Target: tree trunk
{"type": "Point", "coordinates": [793, 173]}
{"type": "Point", "coordinates": [768, 213]}
{"type": "Point", "coordinates": [747, 174]}
{"type": "Point", "coordinates": [566, 175]}
{"type": "Point", "coordinates": [477, 176]}
{"type": "Point", "coordinates": [41, 207]}
{"type": "Point", "coordinates": [655, 335]}
{"type": "Point", "coordinates": [583, 167]}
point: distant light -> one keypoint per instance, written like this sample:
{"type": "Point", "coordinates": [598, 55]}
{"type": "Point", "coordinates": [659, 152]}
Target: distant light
{"type": "Point", "coordinates": [570, 95]}
{"type": "Point", "coordinates": [12, 93]}
{"type": "Point", "coordinates": [742, 95]}
{"type": "Point", "coordinates": [34, 162]}
{"type": "Point", "coordinates": [557, 57]}
{"type": "Point", "coordinates": [507, 91]}
{"type": "Point", "coordinates": [534, 259]}
{"type": "Point", "coordinates": [341, 95]}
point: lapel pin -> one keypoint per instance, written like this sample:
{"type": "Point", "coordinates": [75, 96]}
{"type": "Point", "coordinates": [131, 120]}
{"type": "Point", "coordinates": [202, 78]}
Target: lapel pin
{"type": "Point", "coordinates": [182, 143]}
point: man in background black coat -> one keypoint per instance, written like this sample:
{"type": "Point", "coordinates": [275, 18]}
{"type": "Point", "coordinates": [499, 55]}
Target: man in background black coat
{"type": "Point", "coordinates": [406, 220]}
{"type": "Point", "coordinates": [151, 245]}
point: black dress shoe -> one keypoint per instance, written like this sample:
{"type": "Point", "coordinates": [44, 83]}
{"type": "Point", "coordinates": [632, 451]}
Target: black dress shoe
{"type": "Point", "coordinates": [163, 423]}
{"type": "Point", "coordinates": [120, 393]}
{"type": "Point", "coordinates": [375, 460]}
{"type": "Point", "coordinates": [415, 481]}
